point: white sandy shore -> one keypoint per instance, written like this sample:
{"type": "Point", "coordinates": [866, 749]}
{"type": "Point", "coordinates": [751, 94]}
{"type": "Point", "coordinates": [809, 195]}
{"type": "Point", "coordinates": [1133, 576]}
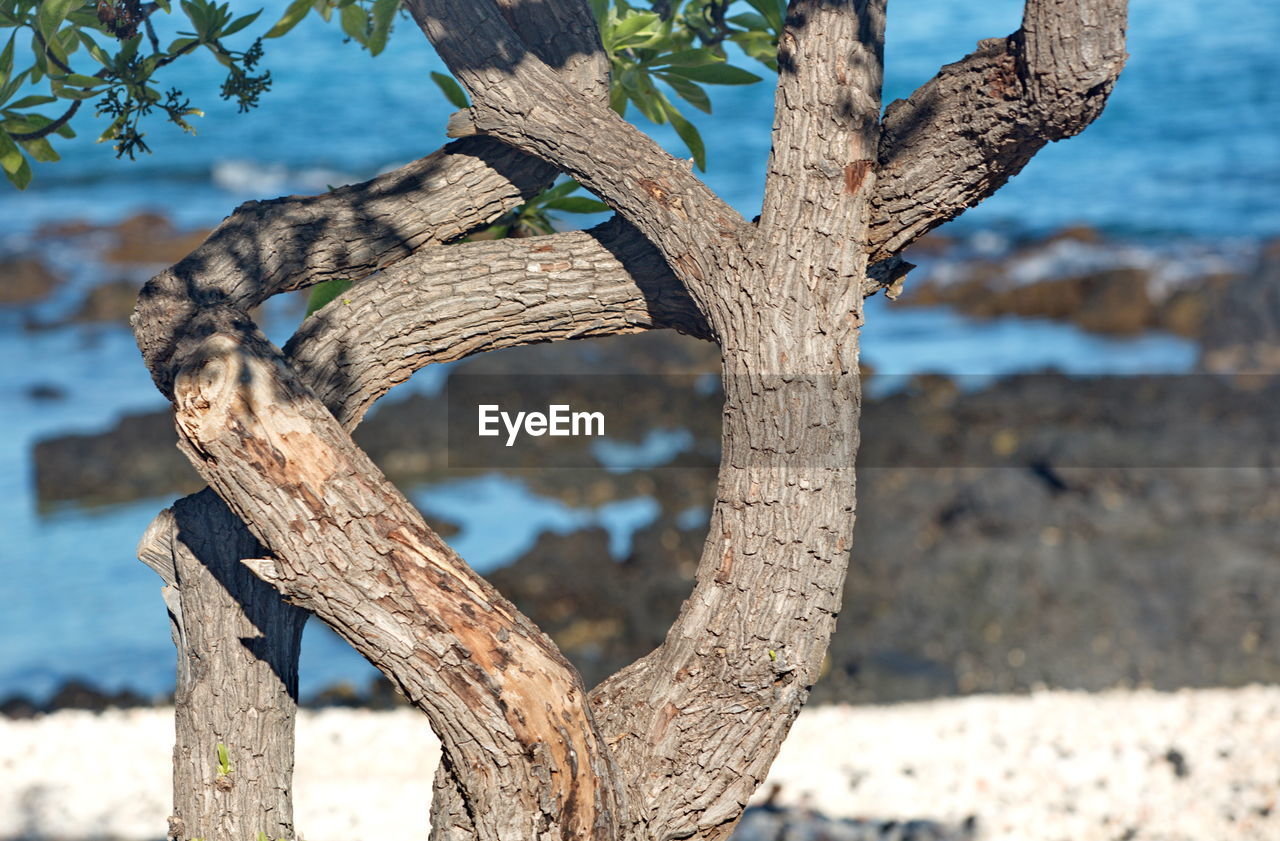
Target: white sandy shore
{"type": "Point", "coordinates": [1048, 767]}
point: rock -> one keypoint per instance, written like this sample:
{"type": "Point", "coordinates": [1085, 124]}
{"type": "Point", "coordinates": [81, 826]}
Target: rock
{"type": "Point", "coordinates": [46, 392]}
{"type": "Point", "coordinates": [1075, 275]}
{"type": "Point", "coordinates": [1115, 302]}
{"type": "Point", "coordinates": [1028, 533]}
{"type": "Point", "coordinates": [383, 695]}
{"type": "Point", "coordinates": [136, 459]}
{"type": "Point", "coordinates": [112, 301]}
{"type": "Point", "coordinates": [768, 823]}
{"type": "Point", "coordinates": [69, 229]}
{"type": "Point", "coordinates": [1079, 232]}
{"type": "Point", "coordinates": [1186, 311]}
{"type": "Point", "coordinates": [602, 613]}
{"type": "Point", "coordinates": [18, 707]}
{"type": "Point", "coordinates": [1242, 330]}
{"type": "Point", "coordinates": [342, 694]}
{"type": "Point", "coordinates": [77, 695]}
{"type": "Point", "coordinates": [151, 238]}
{"type": "Point", "coordinates": [25, 280]}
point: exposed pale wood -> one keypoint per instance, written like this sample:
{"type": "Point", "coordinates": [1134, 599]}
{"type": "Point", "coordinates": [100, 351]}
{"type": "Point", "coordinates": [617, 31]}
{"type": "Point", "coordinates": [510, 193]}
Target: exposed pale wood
{"type": "Point", "coordinates": [692, 728]}
{"type": "Point", "coordinates": [260, 250]}
{"type": "Point", "coordinates": [509, 710]}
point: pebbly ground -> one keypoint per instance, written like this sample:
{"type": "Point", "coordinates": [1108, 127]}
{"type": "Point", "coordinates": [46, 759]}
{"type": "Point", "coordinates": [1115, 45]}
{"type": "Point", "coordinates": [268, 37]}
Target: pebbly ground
{"type": "Point", "coordinates": [1193, 765]}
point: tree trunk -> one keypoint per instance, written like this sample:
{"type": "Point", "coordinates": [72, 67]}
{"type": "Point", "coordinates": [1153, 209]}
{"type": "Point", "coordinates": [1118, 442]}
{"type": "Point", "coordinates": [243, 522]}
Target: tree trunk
{"type": "Point", "coordinates": [237, 689]}
{"type": "Point", "coordinates": [672, 746]}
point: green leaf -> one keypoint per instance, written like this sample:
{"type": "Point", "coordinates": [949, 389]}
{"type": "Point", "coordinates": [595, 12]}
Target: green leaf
{"type": "Point", "coordinates": [99, 54]}
{"type": "Point", "coordinates": [293, 14]}
{"type": "Point", "coordinates": [355, 22]}
{"type": "Point", "coordinates": [717, 74]}
{"type": "Point", "coordinates": [224, 762]}
{"type": "Point", "coordinates": [68, 40]}
{"type": "Point", "coordinates": [643, 94]}
{"type": "Point", "coordinates": [82, 81]}
{"type": "Point", "coordinates": [240, 23]}
{"type": "Point", "coordinates": [451, 89]}
{"type": "Point", "coordinates": [759, 45]}
{"type": "Point", "coordinates": [15, 84]}
{"type": "Point", "coordinates": [40, 150]}
{"type": "Point", "coordinates": [689, 134]}
{"type": "Point", "coordinates": [22, 178]}
{"type": "Point", "coordinates": [323, 293]}
{"type": "Point", "coordinates": [690, 92]}
{"type": "Point", "coordinates": [11, 159]}
{"type": "Point", "coordinates": [751, 22]}
{"type": "Point", "coordinates": [51, 13]}
{"type": "Point", "coordinates": [31, 102]}
{"type": "Point", "coordinates": [384, 14]}
{"type": "Point", "coordinates": [560, 190]}
{"type": "Point", "coordinates": [63, 91]}
{"type": "Point", "coordinates": [689, 58]}
{"type": "Point", "coordinates": [618, 100]}
{"type": "Point", "coordinates": [199, 18]}
{"type": "Point", "coordinates": [577, 204]}
{"type": "Point", "coordinates": [772, 10]}
{"type": "Point", "coordinates": [6, 61]}
{"type": "Point", "coordinates": [630, 27]}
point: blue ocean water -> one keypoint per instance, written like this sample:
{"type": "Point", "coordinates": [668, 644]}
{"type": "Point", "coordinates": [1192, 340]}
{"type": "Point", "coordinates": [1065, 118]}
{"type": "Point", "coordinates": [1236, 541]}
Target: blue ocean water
{"type": "Point", "coordinates": [1188, 150]}
{"type": "Point", "coordinates": [1187, 146]}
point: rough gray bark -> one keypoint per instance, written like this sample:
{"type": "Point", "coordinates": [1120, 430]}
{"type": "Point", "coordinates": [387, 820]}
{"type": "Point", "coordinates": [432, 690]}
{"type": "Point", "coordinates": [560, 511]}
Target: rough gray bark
{"type": "Point", "coordinates": [448, 303]}
{"type": "Point", "coordinates": [349, 547]}
{"type": "Point", "coordinates": [237, 675]}
{"type": "Point", "coordinates": [963, 134]}
{"type": "Point", "coordinates": [263, 249]}
{"type": "Point", "coordinates": [672, 746]}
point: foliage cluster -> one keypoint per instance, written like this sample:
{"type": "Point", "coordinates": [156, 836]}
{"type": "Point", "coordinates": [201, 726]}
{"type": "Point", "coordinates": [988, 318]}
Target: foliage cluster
{"type": "Point", "coordinates": [62, 53]}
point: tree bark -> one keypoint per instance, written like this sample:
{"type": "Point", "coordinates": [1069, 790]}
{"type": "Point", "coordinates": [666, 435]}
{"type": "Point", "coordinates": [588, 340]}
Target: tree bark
{"type": "Point", "coordinates": [247, 704]}
{"type": "Point", "coordinates": [509, 710]}
{"type": "Point", "coordinates": [962, 135]}
{"type": "Point", "coordinates": [672, 746]}
{"type": "Point", "coordinates": [237, 676]}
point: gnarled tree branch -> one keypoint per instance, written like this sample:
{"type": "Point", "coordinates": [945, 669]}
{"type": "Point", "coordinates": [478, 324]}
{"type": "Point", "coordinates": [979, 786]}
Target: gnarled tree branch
{"type": "Point", "coordinates": [975, 125]}
{"type": "Point", "coordinates": [508, 708]}
{"type": "Point", "coordinates": [517, 99]}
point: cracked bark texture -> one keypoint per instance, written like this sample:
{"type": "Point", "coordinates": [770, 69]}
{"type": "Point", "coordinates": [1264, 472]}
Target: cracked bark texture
{"type": "Point", "coordinates": [963, 134]}
{"type": "Point", "coordinates": [226, 623]}
{"type": "Point", "coordinates": [262, 249]}
{"type": "Point", "coordinates": [672, 746]}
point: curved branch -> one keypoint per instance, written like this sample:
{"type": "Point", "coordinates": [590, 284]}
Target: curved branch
{"type": "Point", "coordinates": [45, 131]}
{"type": "Point", "coordinates": [265, 248]}
{"type": "Point", "coordinates": [517, 99]}
{"type": "Point", "coordinates": [267, 446]}
{"type": "Point", "coordinates": [445, 304]}
{"type": "Point", "coordinates": [508, 708]}
{"type": "Point", "coordinates": [967, 131]}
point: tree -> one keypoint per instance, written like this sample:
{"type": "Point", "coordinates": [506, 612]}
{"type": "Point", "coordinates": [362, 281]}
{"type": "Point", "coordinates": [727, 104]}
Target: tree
{"type": "Point", "coordinates": [673, 745]}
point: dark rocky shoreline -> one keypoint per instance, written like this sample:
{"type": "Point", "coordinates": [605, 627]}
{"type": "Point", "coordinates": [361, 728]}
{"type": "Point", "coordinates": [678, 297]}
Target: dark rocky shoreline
{"type": "Point", "coordinates": [1041, 530]}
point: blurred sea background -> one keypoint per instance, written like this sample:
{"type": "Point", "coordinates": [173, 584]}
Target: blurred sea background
{"type": "Point", "coordinates": [1178, 181]}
